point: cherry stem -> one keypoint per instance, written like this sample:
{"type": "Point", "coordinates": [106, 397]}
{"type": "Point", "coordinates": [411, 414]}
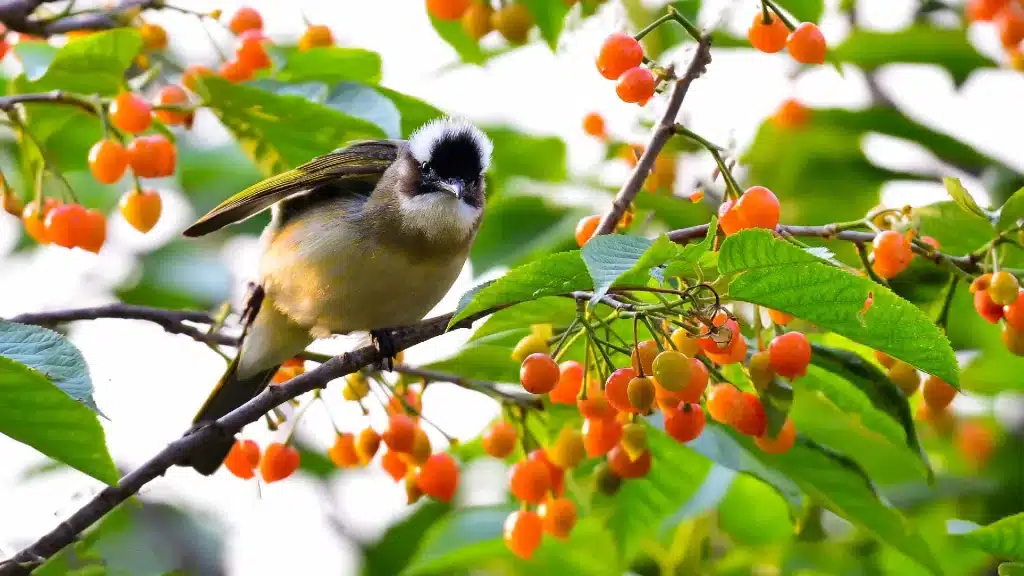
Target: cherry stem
{"type": "Point", "coordinates": [862, 251]}
{"type": "Point", "coordinates": [947, 303]}
{"type": "Point", "coordinates": [778, 11]}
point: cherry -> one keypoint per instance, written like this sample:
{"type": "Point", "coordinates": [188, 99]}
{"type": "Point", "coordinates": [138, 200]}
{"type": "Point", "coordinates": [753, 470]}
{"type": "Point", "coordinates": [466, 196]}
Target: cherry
{"type": "Point", "coordinates": [235, 71]}
{"type": "Point", "coordinates": [750, 418]}
{"type": "Point", "coordinates": [636, 85]}
{"type": "Point", "coordinates": [447, 9]}
{"type": "Point", "coordinates": [735, 352]}
{"type": "Point", "coordinates": [476, 20]}
{"type": "Point", "coordinates": [530, 481]}
{"type": "Point", "coordinates": [367, 444]}
{"type": "Point", "coordinates": [790, 354]}
{"type": "Point", "coordinates": [892, 254]}
{"type": "Point", "coordinates": [412, 488]}
{"type": "Point", "coordinates": [558, 516]}
{"type": "Point", "coordinates": [251, 53]}
{"type": "Point", "coordinates": [539, 373]}
{"type": "Point", "coordinates": [697, 384]}
{"type": "Point", "coordinates": [343, 451]}
{"type": "Point", "coordinates": [154, 37]}
{"type": "Point", "coordinates": [758, 208]}
{"type": "Point", "coordinates": [33, 218]}
{"type": "Point", "coordinates": [725, 403]}
{"type": "Point", "coordinates": [986, 308]}
{"type": "Point", "coordinates": [806, 44]}
{"type": "Point", "coordinates": [421, 449]}
{"type": "Point", "coordinates": [905, 376]}
{"type": "Point", "coordinates": [684, 423]}
{"type": "Point", "coordinates": [130, 112]}
{"type": "Point", "coordinates": [619, 52]}
{"type": "Point", "coordinates": [760, 368]}
{"type": "Point", "coordinates": [641, 394]}
{"type": "Point", "coordinates": [672, 370]}
{"type": "Point", "coordinates": [356, 387]}
{"type": "Point", "coordinates": [625, 467]}
{"type": "Point", "coordinates": [245, 18]}
{"type": "Point", "coordinates": [513, 21]}
{"type": "Point", "coordinates": [937, 393]}
{"type": "Point", "coordinates": [279, 462]}
{"type": "Point", "coordinates": [107, 161]}
{"type": "Point", "coordinates": [522, 532]}
{"type": "Point", "coordinates": [585, 229]}
{"type": "Point", "coordinates": [401, 433]}
{"type": "Point", "coordinates": [616, 389]}
{"type": "Point", "coordinates": [316, 36]}
{"type": "Point", "coordinates": [768, 36]}
{"type": "Point", "coordinates": [152, 156]}
{"type": "Point", "coordinates": [1013, 339]}
{"type": "Point", "coordinates": [66, 225]}
{"type": "Point", "coordinates": [596, 404]}
{"type": "Point", "coordinates": [884, 359]}
{"type": "Point", "coordinates": [1014, 313]}
{"type": "Point", "coordinates": [975, 441]}
{"type": "Point", "coordinates": [556, 474]}
{"type": "Point", "coordinates": [94, 231]}
{"type": "Point", "coordinates": [984, 10]}
{"type": "Point", "coordinates": [600, 435]}
{"type": "Point", "coordinates": [500, 440]}
{"type": "Point", "coordinates": [643, 355]}
{"type": "Point", "coordinates": [393, 463]}
{"type": "Point", "coordinates": [780, 443]}
{"type": "Point", "coordinates": [684, 342]}
{"type": "Point", "coordinates": [188, 78]}
{"type": "Point", "coordinates": [243, 459]}
{"type": "Point", "coordinates": [529, 344]}
{"type": "Point", "coordinates": [729, 219]}
{"type": "Point", "coordinates": [1009, 23]}
{"type": "Point", "coordinates": [570, 381]}
{"type": "Point", "coordinates": [931, 242]}
{"type": "Point", "coordinates": [439, 477]}
{"type": "Point", "coordinates": [791, 115]}
{"type": "Point", "coordinates": [568, 449]}
{"type": "Point", "coordinates": [593, 124]}
{"type": "Point", "coordinates": [723, 339]}
{"type": "Point", "coordinates": [1003, 288]}
{"type": "Point", "coordinates": [291, 368]}
{"type": "Point", "coordinates": [169, 96]}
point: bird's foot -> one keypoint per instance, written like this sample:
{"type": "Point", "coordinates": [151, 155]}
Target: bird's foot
{"type": "Point", "coordinates": [386, 346]}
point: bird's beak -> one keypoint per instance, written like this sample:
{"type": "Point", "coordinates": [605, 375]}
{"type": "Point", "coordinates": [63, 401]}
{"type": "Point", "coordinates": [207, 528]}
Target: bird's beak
{"type": "Point", "coordinates": [454, 187]}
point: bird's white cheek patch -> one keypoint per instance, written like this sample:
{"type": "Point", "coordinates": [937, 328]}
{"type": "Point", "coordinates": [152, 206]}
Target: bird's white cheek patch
{"type": "Point", "coordinates": [438, 215]}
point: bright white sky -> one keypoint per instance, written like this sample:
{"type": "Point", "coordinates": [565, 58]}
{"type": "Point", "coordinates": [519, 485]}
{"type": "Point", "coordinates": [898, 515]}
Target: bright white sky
{"type": "Point", "coordinates": [150, 383]}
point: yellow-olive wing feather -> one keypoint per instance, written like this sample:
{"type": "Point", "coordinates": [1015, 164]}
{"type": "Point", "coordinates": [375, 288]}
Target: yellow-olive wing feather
{"type": "Point", "coordinates": [362, 159]}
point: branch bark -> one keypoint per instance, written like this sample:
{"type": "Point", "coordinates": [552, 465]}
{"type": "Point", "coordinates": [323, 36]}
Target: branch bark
{"type": "Point", "coordinates": [175, 452]}
{"type": "Point", "coordinates": [7, 103]}
{"type": "Point", "coordinates": [17, 15]}
{"type": "Point", "coordinates": [662, 132]}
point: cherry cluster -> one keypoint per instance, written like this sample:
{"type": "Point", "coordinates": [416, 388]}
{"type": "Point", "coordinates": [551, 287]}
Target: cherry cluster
{"type": "Point", "coordinates": [1007, 16]}
{"type": "Point", "coordinates": [621, 58]}
{"type": "Point", "coordinates": [770, 32]}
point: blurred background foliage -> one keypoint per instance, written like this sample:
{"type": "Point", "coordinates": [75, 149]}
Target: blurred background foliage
{"type": "Point", "coordinates": [758, 513]}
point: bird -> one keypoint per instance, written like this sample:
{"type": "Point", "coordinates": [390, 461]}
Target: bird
{"type": "Point", "coordinates": [367, 237]}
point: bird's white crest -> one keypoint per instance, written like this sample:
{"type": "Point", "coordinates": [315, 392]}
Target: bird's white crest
{"type": "Point", "coordinates": [423, 140]}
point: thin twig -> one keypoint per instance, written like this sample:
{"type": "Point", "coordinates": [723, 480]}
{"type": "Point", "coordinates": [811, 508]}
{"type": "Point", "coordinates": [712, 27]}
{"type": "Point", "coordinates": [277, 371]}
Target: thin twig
{"type": "Point", "coordinates": [662, 132]}
{"type": "Point", "coordinates": [483, 387]}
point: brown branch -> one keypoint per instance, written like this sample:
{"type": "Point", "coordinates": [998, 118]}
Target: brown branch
{"type": "Point", "coordinates": [964, 264]}
{"type": "Point", "coordinates": [178, 451]}
{"type": "Point", "coordinates": [17, 16]}
{"type": "Point", "coordinates": [173, 321]}
{"type": "Point", "coordinates": [7, 103]}
{"type": "Point", "coordinates": [489, 388]}
{"type": "Point", "coordinates": [662, 132]}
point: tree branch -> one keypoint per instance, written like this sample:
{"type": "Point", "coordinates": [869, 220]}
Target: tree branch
{"type": "Point", "coordinates": [17, 16]}
{"type": "Point", "coordinates": [178, 451]}
{"type": "Point", "coordinates": [662, 132]}
{"type": "Point", "coordinates": [173, 321]}
{"type": "Point", "coordinates": [7, 103]}
{"type": "Point", "coordinates": [962, 264]}
{"type": "Point", "coordinates": [487, 388]}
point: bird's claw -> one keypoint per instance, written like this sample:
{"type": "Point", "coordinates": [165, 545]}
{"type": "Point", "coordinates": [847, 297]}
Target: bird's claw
{"type": "Point", "coordinates": [386, 346]}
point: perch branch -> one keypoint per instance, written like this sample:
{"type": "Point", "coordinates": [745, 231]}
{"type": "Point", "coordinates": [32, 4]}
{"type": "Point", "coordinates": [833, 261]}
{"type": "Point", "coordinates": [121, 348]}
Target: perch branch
{"type": "Point", "coordinates": [662, 132]}
{"type": "Point", "coordinates": [17, 15]}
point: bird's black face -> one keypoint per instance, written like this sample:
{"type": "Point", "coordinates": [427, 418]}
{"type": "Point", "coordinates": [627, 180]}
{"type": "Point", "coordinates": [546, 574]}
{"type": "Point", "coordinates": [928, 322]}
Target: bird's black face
{"type": "Point", "coordinates": [453, 157]}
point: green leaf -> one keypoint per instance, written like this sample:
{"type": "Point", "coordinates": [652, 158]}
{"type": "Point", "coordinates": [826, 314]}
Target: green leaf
{"type": "Point", "coordinates": [1011, 569]}
{"type": "Point", "coordinates": [832, 412]}
{"type": "Point", "coordinates": [754, 514]}
{"type": "Point", "coordinates": [615, 258]}
{"type": "Point", "coordinates": [94, 64]}
{"type": "Point", "coordinates": [481, 360]}
{"type": "Point", "coordinates": [517, 227]}
{"type": "Point", "coordinates": [842, 487]}
{"type": "Point", "coordinates": [1011, 211]}
{"type": "Point", "coordinates": [364, 102]}
{"type": "Point", "coordinates": [804, 10]}
{"type": "Point", "coordinates": [1003, 538]}
{"type": "Point", "coordinates": [556, 274]}
{"type": "Point", "coordinates": [50, 354]}
{"type": "Point", "coordinates": [963, 198]}
{"type": "Point", "coordinates": [519, 154]}
{"type": "Point", "coordinates": [550, 18]}
{"type": "Point", "coordinates": [35, 58]}
{"type": "Point", "coordinates": [684, 262]}
{"type": "Point", "coordinates": [638, 510]}
{"type": "Point", "coordinates": [881, 392]}
{"type": "Point", "coordinates": [329, 64]}
{"type": "Point", "coordinates": [414, 112]}
{"type": "Point", "coordinates": [518, 319]}
{"type": "Point", "coordinates": [397, 547]}
{"type": "Point", "coordinates": [919, 44]}
{"type": "Point", "coordinates": [471, 540]}
{"type": "Point", "coordinates": [781, 276]}
{"type": "Point", "coordinates": [958, 231]}
{"type": "Point", "coordinates": [451, 31]}
{"type": "Point", "coordinates": [264, 124]}
{"type": "Point", "coordinates": [35, 412]}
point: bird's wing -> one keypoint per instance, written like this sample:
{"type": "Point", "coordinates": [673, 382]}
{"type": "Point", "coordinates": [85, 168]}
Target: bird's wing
{"type": "Point", "coordinates": [362, 159]}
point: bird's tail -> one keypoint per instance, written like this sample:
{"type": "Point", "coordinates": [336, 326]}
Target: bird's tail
{"type": "Point", "coordinates": [230, 393]}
